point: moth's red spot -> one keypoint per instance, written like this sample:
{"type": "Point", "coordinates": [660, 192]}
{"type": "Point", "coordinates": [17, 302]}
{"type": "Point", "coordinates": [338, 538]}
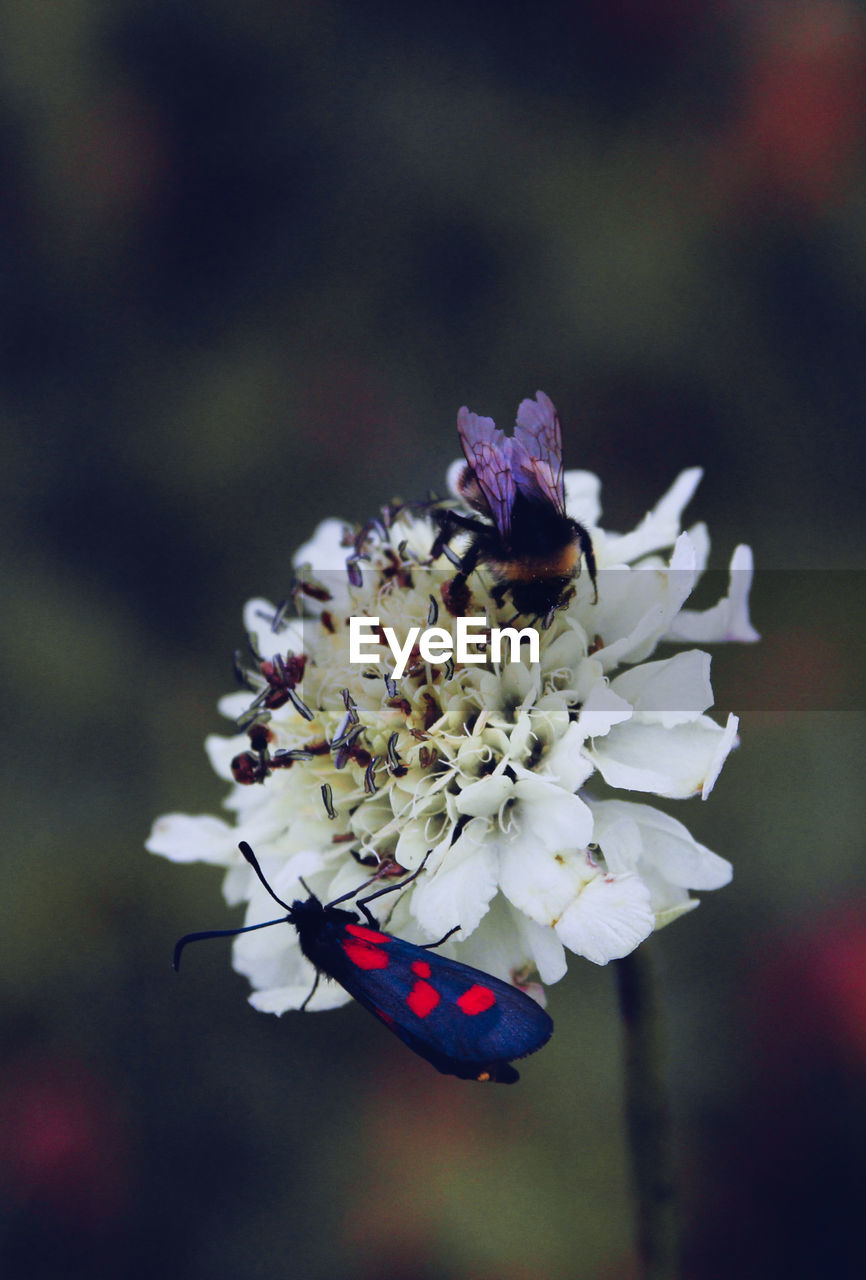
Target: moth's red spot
{"type": "Point", "coordinates": [422, 968]}
{"type": "Point", "coordinates": [476, 999]}
{"type": "Point", "coordinates": [365, 956]}
{"type": "Point", "coordinates": [422, 999]}
{"type": "Point", "coordinates": [369, 935]}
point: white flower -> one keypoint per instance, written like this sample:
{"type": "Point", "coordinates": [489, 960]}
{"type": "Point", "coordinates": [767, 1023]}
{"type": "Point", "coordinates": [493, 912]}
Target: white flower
{"type": "Point", "coordinates": [487, 773]}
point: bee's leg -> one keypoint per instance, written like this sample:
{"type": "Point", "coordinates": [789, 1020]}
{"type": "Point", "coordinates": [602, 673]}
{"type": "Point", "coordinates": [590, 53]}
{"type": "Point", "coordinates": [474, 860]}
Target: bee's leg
{"type": "Point", "coordinates": [584, 541]}
{"type": "Point", "coordinates": [455, 592]}
{"type": "Point", "coordinates": [562, 603]}
{"type": "Point", "coordinates": [451, 522]}
{"type": "Point", "coordinates": [469, 561]}
{"type": "Point", "coordinates": [499, 592]}
{"type": "Point", "coordinates": [447, 529]}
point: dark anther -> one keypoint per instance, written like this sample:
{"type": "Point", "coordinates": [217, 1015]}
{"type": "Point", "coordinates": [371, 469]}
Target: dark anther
{"type": "Point", "coordinates": [328, 800]}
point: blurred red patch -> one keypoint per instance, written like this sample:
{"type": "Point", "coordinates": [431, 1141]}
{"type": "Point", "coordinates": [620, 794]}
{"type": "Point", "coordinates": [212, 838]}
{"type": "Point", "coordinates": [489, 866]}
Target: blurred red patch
{"type": "Point", "coordinates": [812, 994]}
{"type": "Point", "coordinates": [801, 122]}
{"type": "Point", "coordinates": [65, 1149]}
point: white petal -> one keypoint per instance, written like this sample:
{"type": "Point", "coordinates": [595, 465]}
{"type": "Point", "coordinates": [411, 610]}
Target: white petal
{"type": "Point", "coordinates": [552, 816]}
{"type": "Point", "coordinates": [452, 475]}
{"type": "Point", "coordinates": [513, 686]}
{"type": "Point", "coordinates": [325, 556]}
{"type": "Point", "coordinates": [668, 901]}
{"type": "Point", "coordinates": [412, 844]}
{"type": "Point", "coordinates": [608, 919]}
{"type": "Point", "coordinates": [675, 762]}
{"type": "Point", "coordinates": [326, 549]}
{"type": "Point", "coordinates": [459, 891]}
{"type": "Point", "coordinates": [582, 502]}
{"type": "Point", "coordinates": [634, 836]}
{"type": "Point", "coordinates": [700, 540]}
{"type": "Point", "coordinates": [258, 618]}
{"type": "Point", "coordinates": [565, 763]}
{"type": "Point", "coordinates": [545, 883]}
{"type": "Point", "coordinates": [602, 709]}
{"type": "Point", "coordinates": [520, 742]}
{"type": "Point", "coordinates": [221, 751]}
{"type": "Point", "coordinates": [508, 942]}
{"type": "Point", "coordinates": [545, 949]}
{"type": "Point", "coordinates": [618, 835]}
{"type": "Point", "coordinates": [372, 816]}
{"type": "Point", "coordinates": [271, 957]}
{"type": "Point", "coordinates": [659, 527]}
{"type": "Point", "coordinates": [484, 798]}
{"type": "Point", "coordinates": [185, 837]}
{"type": "Point", "coordinates": [669, 509]}
{"type": "Point", "coordinates": [233, 705]}
{"type": "Point", "coordinates": [726, 743]}
{"type": "Point", "coordinates": [284, 874]}
{"type": "Point", "coordinates": [666, 915]}
{"type": "Point", "coordinates": [742, 569]}
{"type": "Point", "coordinates": [236, 884]}
{"type": "Point", "coordinates": [328, 995]}
{"type": "Point", "coordinates": [638, 605]}
{"type": "Point", "coordinates": [727, 620]}
{"type": "Point", "coordinates": [565, 652]}
{"type": "Point", "coordinates": [670, 692]}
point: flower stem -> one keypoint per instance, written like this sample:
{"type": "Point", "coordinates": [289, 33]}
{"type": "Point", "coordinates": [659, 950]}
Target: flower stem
{"type": "Point", "coordinates": [648, 1115]}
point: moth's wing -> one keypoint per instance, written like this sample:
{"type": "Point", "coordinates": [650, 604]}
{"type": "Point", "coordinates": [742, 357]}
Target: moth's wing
{"type": "Point", "coordinates": [465, 1022]}
{"type": "Point", "coordinates": [537, 452]}
{"type": "Point", "coordinates": [488, 452]}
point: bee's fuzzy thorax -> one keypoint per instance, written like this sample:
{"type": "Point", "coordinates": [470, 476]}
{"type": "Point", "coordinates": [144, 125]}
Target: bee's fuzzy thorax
{"type": "Point", "coordinates": [561, 563]}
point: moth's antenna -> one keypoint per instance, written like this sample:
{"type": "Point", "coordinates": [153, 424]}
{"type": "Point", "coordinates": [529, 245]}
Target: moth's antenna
{"type": "Point", "coordinates": [233, 933]}
{"type": "Point", "coordinates": [254, 863]}
{"type": "Point", "coordinates": [217, 933]}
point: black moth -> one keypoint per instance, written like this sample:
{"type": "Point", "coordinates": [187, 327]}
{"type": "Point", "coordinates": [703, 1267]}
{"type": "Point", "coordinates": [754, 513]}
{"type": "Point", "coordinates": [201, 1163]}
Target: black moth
{"type": "Point", "coordinates": [465, 1022]}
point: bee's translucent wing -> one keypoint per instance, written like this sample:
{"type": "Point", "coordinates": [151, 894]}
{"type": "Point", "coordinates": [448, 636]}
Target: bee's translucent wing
{"type": "Point", "coordinates": [536, 453]}
{"type": "Point", "coordinates": [488, 452]}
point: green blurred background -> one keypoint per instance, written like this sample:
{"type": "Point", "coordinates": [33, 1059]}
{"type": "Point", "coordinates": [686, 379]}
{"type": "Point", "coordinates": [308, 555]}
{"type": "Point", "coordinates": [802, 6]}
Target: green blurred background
{"type": "Point", "coordinates": [253, 258]}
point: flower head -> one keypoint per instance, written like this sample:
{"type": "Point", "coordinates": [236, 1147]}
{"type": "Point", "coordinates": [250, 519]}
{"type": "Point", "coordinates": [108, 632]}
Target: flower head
{"type": "Point", "coordinates": [490, 769]}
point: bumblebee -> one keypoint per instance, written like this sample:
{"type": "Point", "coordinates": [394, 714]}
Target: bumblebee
{"type": "Point", "coordinates": [515, 483]}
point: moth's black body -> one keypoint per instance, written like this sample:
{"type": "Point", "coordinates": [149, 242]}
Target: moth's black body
{"type": "Point", "coordinates": [319, 926]}
{"type": "Point", "coordinates": [529, 542]}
